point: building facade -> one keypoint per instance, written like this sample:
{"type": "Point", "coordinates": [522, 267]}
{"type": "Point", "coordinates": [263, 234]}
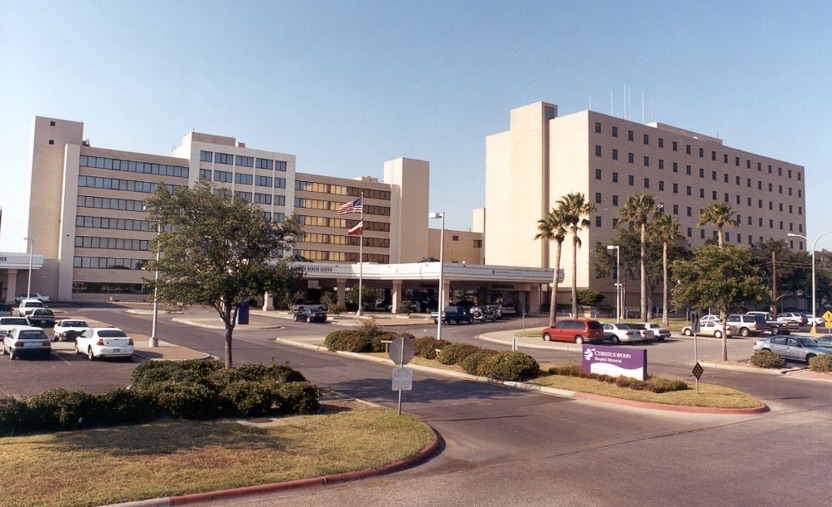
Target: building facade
{"type": "Point", "coordinates": [544, 156]}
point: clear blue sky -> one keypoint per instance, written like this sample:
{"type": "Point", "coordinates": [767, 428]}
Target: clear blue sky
{"type": "Point", "coordinates": [347, 85]}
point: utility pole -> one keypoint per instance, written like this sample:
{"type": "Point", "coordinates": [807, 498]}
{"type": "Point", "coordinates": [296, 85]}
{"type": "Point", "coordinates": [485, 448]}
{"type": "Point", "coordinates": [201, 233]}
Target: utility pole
{"type": "Point", "coordinates": [774, 281]}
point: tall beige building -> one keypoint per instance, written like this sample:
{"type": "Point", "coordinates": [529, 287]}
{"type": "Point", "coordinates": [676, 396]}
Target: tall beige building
{"type": "Point", "coordinates": [544, 156]}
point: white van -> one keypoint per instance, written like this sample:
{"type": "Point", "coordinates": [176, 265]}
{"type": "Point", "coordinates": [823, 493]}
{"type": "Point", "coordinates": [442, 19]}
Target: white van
{"type": "Point", "coordinates": [27, 306]}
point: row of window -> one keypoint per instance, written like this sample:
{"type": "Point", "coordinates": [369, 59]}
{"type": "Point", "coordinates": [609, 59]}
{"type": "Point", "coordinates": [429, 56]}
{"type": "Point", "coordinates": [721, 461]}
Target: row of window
{"type": "Point", "coordinates": [107, 263]}
{"type": "Point", "coordinates": [141, 245]}
{"type": "Point", "coordinates": [333, 189]}
{"type": "Point", "coordinates": [714, 197]}
{"type": "Point", "coordinates": [122, 224]}
{"type": "Point", "coordinates": [87, 201]}
{"type": "Point", "coordinates": [133, 166]}
{"type": "Point", "coordinates": [242, 179]}
{"type": "Point", "coordinates": [689, 151]}
{"type": "Point", "coordinates": [107, 288]}
{"type": "Point", "coordinates": [631, 181]}
{"type": "Point", "coordinates": [146, 187]}
{"type": "Point", "coordinates": [318, 255]}
{"type": "Point", "coordinates": [242, 161]}
{"type": "Point", "coordinates": [277, 217]}
{"type": "Point", "coordinates": [599, 223]}
{"type": "Point", "coordinates": [301, 202]}
{"type": "Point", "coordinates": [334, 239]}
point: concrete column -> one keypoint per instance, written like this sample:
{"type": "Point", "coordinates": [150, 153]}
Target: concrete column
{"type": "Point", "coordinates": [534, 301]}
{"type": "Point", "coordinates": [446, 292]}
{"type": "Point", "coordinates": [341, 285]}
{"type": "Point", "coordinates": [11, 285]}
{"type": "Point", "coordinates": [396, 296]}
{"type": "Point", "coordinates": [268, 304]}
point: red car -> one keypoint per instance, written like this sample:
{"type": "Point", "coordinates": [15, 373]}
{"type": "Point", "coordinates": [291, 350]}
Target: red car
{"type": "Point", "coordinates": [574, 330]}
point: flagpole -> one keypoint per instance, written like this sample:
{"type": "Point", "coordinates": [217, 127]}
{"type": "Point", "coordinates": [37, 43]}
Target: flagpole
{"type": "Point", "coordinates": [361, 259]}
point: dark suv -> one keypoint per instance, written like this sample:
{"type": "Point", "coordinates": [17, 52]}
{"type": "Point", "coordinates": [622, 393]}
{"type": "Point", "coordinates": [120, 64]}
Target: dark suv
{"type": "Point", "coordinates": [455, 315]}
{"type": "Point", "coordinates": [574, 330]}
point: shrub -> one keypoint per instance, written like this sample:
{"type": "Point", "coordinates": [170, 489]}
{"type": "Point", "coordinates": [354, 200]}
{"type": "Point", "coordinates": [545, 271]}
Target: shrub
{"type": "Point", "coordinates": [513, 366]}
{"type": "Point", "coordinates": [12, 415]}
{"type": "Point", "coordinates": [821, 363]}
{"type": "Point", "coordinates": [59, 409]}
{"type": "Point", "coordinates": [346, 339]}
{"type": "Point", "coordinates": [273, 372]}
{"type": "Point", "coordinates": [570, 370]}
{"type": "Point", "coordinates": [195, 370]}
{"type": "Point", "coordinates": [653, 384]}
{"type": "Point", "coordinates": [471, 364]}
{"type": "Point", "coordinates": [247, 398]}
{"type": "Point", "coordinates": [666, 385]}
{"type": "Point", "coordinates": [766, 359]}
{"type": "Point", "coordinates": [426, 346]}
{"type": "Point", "coordinates": [298, 398]}
{"type": "Point", "coordinates": [127, 406]}
{"type": "Point", "coordinates": [186, 400]}
{"type": "Point", "coordinates": [456, 352]}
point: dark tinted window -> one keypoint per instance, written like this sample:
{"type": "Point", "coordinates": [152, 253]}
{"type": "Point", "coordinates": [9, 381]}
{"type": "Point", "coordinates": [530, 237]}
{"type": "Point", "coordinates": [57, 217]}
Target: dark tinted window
{"type": "Point", "coordinates": [32, 334]}
{"type": "Point", "coordinates": [112, 333]}
{"type": "Point", "coordinates": [594, 324]}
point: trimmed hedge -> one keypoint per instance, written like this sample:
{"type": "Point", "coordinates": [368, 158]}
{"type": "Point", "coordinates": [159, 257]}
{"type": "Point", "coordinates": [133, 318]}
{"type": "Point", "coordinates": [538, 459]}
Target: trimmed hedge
{"type": "Point", "coordinates": [766, 359]}
{"type": "Point", "coordinates": [653, 384]}
{"type": "Point", "coordinates": [471, 364]}
{"type": "Point", "coordinates": [427, 346]}
{"type": "Point", "coordinates": [181, 389]}
{"type": "Point", "coordinates": [456, 352]}
{"type": "Point", "coordinates": [821, 363]}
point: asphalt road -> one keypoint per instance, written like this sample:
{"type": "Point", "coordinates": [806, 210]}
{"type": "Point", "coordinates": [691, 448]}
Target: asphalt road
{"type": "Point", "coordinates": [506, 446]}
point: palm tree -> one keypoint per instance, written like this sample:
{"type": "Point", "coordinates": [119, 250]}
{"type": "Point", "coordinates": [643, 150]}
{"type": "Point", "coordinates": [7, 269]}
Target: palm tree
{"type": "Point", "coordinates": [666, 228]}
{"type": "Point", "coordinates": [575, 209]}
{"type": "Point", "coordinates": [718, 214]}
{"type": "Point", "coordinates": [552, 227]}
{"type": "Point", "coordinates": [637, 210]}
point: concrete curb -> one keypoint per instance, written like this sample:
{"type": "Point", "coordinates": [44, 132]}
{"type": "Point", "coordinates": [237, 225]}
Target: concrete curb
{"type": "Point", "coordinates": [425, 454]}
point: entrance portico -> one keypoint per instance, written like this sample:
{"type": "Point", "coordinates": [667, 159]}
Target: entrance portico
{"type": "Point", "coordinates": [14, 273]}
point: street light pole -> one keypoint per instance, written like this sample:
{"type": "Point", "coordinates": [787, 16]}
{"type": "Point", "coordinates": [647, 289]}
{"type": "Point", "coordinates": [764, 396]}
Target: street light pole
{"type": "Point", "coordinates": [154, 340]}
{"type": "Point", "coordinates": [441, 301]}
{"type": "Point", "coordinates": [814, 300]}
{"type": "Point", "coordinates": [617, 280]}
{"type": "Point", "coordinates": [31, 253]}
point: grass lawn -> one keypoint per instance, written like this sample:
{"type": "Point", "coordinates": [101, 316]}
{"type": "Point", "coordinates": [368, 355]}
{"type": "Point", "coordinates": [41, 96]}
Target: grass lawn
{"type": "Point", "coordinates": [128, 463]}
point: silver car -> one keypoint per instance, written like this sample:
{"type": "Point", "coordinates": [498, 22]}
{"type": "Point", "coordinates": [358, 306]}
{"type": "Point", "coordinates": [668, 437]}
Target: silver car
{"type": "Point", "coordinates": [792, 348]}
{"type": "Point", "coordinates": [618, 333]}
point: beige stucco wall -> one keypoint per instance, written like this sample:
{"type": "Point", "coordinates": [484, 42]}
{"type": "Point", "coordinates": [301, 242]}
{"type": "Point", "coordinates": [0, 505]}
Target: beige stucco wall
{"type": "Point", "coordinates": [410, 188]}
{"type": "Point", "coordinates": [460, 246]}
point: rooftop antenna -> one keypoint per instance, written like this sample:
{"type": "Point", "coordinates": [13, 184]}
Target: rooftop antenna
{"type": "Point", "coordinates": [642, 107]}
{"type": "Point", "coordinates": [611, 109]}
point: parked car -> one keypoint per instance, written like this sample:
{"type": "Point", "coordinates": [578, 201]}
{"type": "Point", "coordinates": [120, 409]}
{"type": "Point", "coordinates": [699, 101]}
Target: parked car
{"type": "Point", "coordinates": [68, 329]}
{"type": "Point", "coordinates": [747, 325]}
{"type": "Point", "coordinates": [660, 332]}
{"type": "Point", "coordinates": [507, 310]}
{"type": "Point", "coordinates": [766, 315]}
{"type": "Point", "coordinates": [574, 330]}
{"type": "Point", "coordinates": [709, 318]}
{"type": "Point", "coordinates": [310, 315]}
{"type": "Point", "coordinates": [34, 295]}
{"type": "Point", "coordinates": [453, 315]}
{"type": "Point", "coordinates": [104, 342]}
{"type": "Point", "coordinates": [714, 329]}
{"type": "Point", "coordinates": [617, 333]}
{"type": "Point", "coordinates": [7, 323]}
{"type": "Point", "coordinates": [825, 341]}
{"type": "Point", "coordinates": [6, 309]}
{"type": "Point", "coordinates": [496, 310]}
{"type": "Point", "coordinates": [793, 348]}
{"type": "Point", "coordinates": [818, 321]}
{"type": "Point", "coordinates": [300, 306]}
{"type": "Point", "coordinates": [482, 314]}
{"type": "Point", "coordinates": [792, 317]}
{"type": "Point", "coordinates": [41, 317]}
{"type": "Point", "coordinates": [25, 340]}
{"type": "Point", "coordinates": [28, 305]}
{"type": "Point", "coordinates": [646, 333]}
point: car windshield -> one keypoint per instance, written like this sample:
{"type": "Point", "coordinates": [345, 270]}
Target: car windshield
{"type": "Point", "coordinates": [112, 333]}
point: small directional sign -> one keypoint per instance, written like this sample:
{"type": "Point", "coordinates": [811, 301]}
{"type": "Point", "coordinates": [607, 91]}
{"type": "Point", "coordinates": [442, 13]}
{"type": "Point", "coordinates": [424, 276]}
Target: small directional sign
{"type": "Point", "coordinates": [697, 371]}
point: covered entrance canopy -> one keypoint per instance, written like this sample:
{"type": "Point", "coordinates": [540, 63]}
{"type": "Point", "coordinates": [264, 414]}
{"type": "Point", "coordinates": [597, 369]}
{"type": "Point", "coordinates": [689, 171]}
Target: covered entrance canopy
{"type": "Point", "coordinates": [14, 272]}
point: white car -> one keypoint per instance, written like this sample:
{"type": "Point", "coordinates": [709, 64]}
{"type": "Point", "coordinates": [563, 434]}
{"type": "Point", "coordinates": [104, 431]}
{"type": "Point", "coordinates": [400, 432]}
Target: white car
{"type": "Point", "coordinates": [660, 332]}
{"type": "Point", "coordinates": [709, 318]}
{"type": "Point", "coordinates": [714, 329]}
{"type": "Point", "coordinates": [27, 306]}
{"type": "Point", "coordinates": [34, 295]}
{"type": "Point", "coordinates": [621, 333]}
{"type": "Point", "coordinates": [792, 317]}
{"type": "Point", "coordinates": [26, 340]}
{"type": "Point", "coordinates": [817, 320]}
{"type": "Point", "coordinates": [68, 329]}
{"type": "Point", "coordinates": [104, 342]}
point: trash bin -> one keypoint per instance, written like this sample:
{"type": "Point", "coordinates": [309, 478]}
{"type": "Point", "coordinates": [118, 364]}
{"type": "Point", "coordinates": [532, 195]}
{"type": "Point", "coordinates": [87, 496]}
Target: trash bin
{"type": "Point", "coordinates": [242, 313]}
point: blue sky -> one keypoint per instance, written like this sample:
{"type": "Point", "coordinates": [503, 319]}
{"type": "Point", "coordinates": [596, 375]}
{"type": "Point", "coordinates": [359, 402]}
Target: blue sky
{"type": "Point", "coordinates": [347, 85]}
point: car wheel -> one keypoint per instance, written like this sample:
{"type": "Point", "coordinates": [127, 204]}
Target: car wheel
{"type": "Point", "coordinates": [660, 338]}
{"type": "Point", "coordinates": [809, 358]}
{"type": "Point", "coordinates": [77, 352]}
{"type": "Point", "coordinates": [688, 332]}
{"type": "Point", "coordinates": [744, 332]}
{"type": "Point", "coordinates": [579, 340]}
{"type": "Point", "coordinates": [717, 334]}
{"type": "Point", "coordinates": [90, 354]}
{"type": "Point", "coordinates": [775, 330]}
{"type": "Point", "coordinates": [614, 340]}
{"type": "Point", "coordinates": [547, 337]}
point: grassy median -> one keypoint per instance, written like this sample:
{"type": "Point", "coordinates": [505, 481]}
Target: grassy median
{"type": "Point", "coordinates": [128, 463]}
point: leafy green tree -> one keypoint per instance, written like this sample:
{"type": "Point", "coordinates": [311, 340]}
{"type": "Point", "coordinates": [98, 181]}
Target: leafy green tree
{"type": "Point", "coordinates": [575, 210]}
{"type": "Point", "coordinates": [218, 250]}
{"type": "Point", "coordinates": [590, 297]}
{"type": "Point", "coordinates": [719, 214]}
{"type": "Point", "coordinates": [794, 269]}
{"type": "Point", "coordinates": [722, 277]}
{"type": "Point", "coordinates": [552, 227]}
{"type": "Point", "coordinates": [666, 229]}
{"type": "Point", "coordinates": [368, 296]}
{"type": "Point", "coordinates": [637, 210]}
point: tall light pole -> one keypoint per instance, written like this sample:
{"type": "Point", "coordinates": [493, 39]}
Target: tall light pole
{"type": "Point", "coordinates": [617, 249]}
{"type": "Point", "coordinates": [812, 251]}
{"type": "Point", "coordinates": [154, 340]}
{"type": "Point", "coordinates": [441, 302]}
{"type": "Point", "coordinates": [30, 242]}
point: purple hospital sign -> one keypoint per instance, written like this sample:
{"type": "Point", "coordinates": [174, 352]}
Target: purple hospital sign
{"type": "Point", "coordinates": [615, 361]}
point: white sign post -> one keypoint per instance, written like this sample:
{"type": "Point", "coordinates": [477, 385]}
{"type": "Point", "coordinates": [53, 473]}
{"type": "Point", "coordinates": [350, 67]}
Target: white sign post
{"type": "Point", "coordinates": [401, 351]}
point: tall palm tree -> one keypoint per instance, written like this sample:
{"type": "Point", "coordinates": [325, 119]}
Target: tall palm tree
{"type": "Point", "coordinates": [552, 227]}
{"type": "Point", "coordinates": [637, 210]}
{"type": "Point", "coordinates": [575, 209]}
{"type": "Point", "coordinates": [666, 229]}
{"type": "Point", "coordinates": [718, 214]}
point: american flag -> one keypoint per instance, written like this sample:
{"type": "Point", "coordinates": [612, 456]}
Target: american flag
{"type": "Point", "coordinates": [351, 207]}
